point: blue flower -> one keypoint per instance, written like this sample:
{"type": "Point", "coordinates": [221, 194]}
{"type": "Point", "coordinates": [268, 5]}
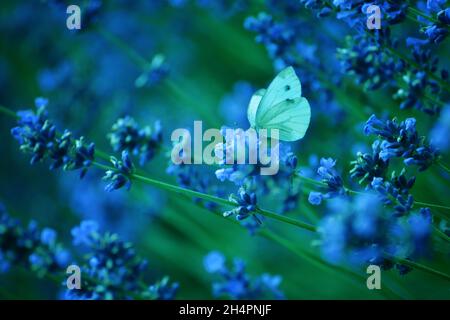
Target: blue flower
{"type": "Point", "coordinates": [235, 283]}
{"type": "Point", "coordinates": [120, 176]}
{"type": "Point", "coordinates": [377, 183]}
{"type": "Point", "coordinates": [178, 3]}
{"type": "Point", "coordinates": [362, 232]}
{"type": "Point", "coordinates": [396, 192]}
{"type": "Point", "coordinates": [112, 270]}
{"type": "Point", "coordinates": [41, 102]}
{"type": "Point", "coordinates": [419, 83]}
{"type": "Point", "coordinates": [435, 5]}
{"type": "Point", "coordinates": [48, 236]}
{"type": "Point", "coordinates": [367, 166]}
{"type": "Point", "coordinates": [214, 262]}
{"type": "Point", "coordinates": [199, 178]}
{"type": "Point", "coordinates": [224, 8]}
{"type": "Point", "coordinates": [421, 223]}
{"type": "Point", "coordinates": [333, 184]}
{"type": "Point", "coordinates": [164, 289]}
{"type": "Point", "coordinates": [328, 174]}
{"type": "Point", "coordinates": [321, 7]}
{"type": "Point", "coordinates": [401, 140]}
{"type": "Point", "coordinates": [315, 198]}
{"type": "Point", "coordinates": [246, 204]}
{"type": "Point", "coordinates": [34, 249]}
{"type": "Point", "coordinates": [364, 57]}
{"type": "Point", "coordinates": [4, 263]}
{"type": "Point", "coordinates": [283, 183]}
{"type": "Point", "coordinates": [156, 71]}
{"type": "Point", "coordinates": [51, 79]}
{"type": "Point", "coordinates": [36, 260]}
{"type": "Point", "coordinates": [327, 164]}
{"type": "Point", "coordinates": [436, 32]}
{"type": "Point", "coordinates": [354, 12]}
{"type": "Point", "coordinates": [288, 7]}
{"type": "Point", "coordinates": [444, 16]}
{"type": "Point", "coordinates": [126, 135]}
{"type": "Point", "coordinates": [38, 136]}
{"type": "Point", "coordinates": [84, 233]}
{"type": "Point", "coordinates": [441, 131]}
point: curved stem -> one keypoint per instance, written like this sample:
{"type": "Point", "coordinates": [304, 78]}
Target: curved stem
{"type": "Point", "coordinates": [211, 198]}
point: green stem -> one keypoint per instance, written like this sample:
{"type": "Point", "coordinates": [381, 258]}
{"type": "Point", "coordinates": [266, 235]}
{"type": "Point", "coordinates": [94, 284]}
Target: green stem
{"type": "Point", "coordinates": [350, 191]}
{"type": "Point", "coordinates": [312, 181]}
{"type": "Point", "coordinates": [417, 12]}
{"type": "Point", "coordinates": [419, 266]}
{"type": "Point", "coordinates": [191, 193]}
{"type": "Point", "coordinates": [8, 112]}
{"type": "Point", "coordinates": [288, 220]}
{"type": "Point", "coordinates": [411, 12]}
{"type": "Point", "coordinates": [401, 81]}
{"type": "Point", "coordinates": [444, 167]}
{"type": "Point", "coordinates": [211, 198]}
{"type": "Point", "coordinates": [102, 155]}
{"type": "Point", "coordinates": [440, 234]}
{"type": "Point", "coordinates": [412, 17]}
{"type": "Point", "coordinates": [426, 204]}
{"type": "Point", "coordinates": [351, 274]}
{"type": "Point", "coordinates": [268, 234]}
{"type": "Point", "coordinates": [122, 45]}
{"type": "Point", "coordinates": [266, 213]}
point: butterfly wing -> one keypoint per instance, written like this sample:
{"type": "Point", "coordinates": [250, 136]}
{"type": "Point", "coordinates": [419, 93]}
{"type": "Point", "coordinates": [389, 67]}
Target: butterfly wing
{"type": "Point", "coordinates": [286, 85]}
{"type": "Point", "coordinates": [282, 107]}
{"type": "Point", "coordinates": [253, 106]}
{"type": "Point", "coordinates": [291, 117]}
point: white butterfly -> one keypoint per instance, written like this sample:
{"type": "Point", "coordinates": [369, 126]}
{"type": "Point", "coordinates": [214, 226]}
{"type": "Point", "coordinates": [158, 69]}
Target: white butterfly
{"type": "Point", "coordinates": [281, 107]}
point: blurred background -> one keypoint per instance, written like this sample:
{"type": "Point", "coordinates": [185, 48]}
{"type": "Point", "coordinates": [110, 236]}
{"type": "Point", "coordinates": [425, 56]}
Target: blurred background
{"type": "Point", "coordinates": [95, 75]}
